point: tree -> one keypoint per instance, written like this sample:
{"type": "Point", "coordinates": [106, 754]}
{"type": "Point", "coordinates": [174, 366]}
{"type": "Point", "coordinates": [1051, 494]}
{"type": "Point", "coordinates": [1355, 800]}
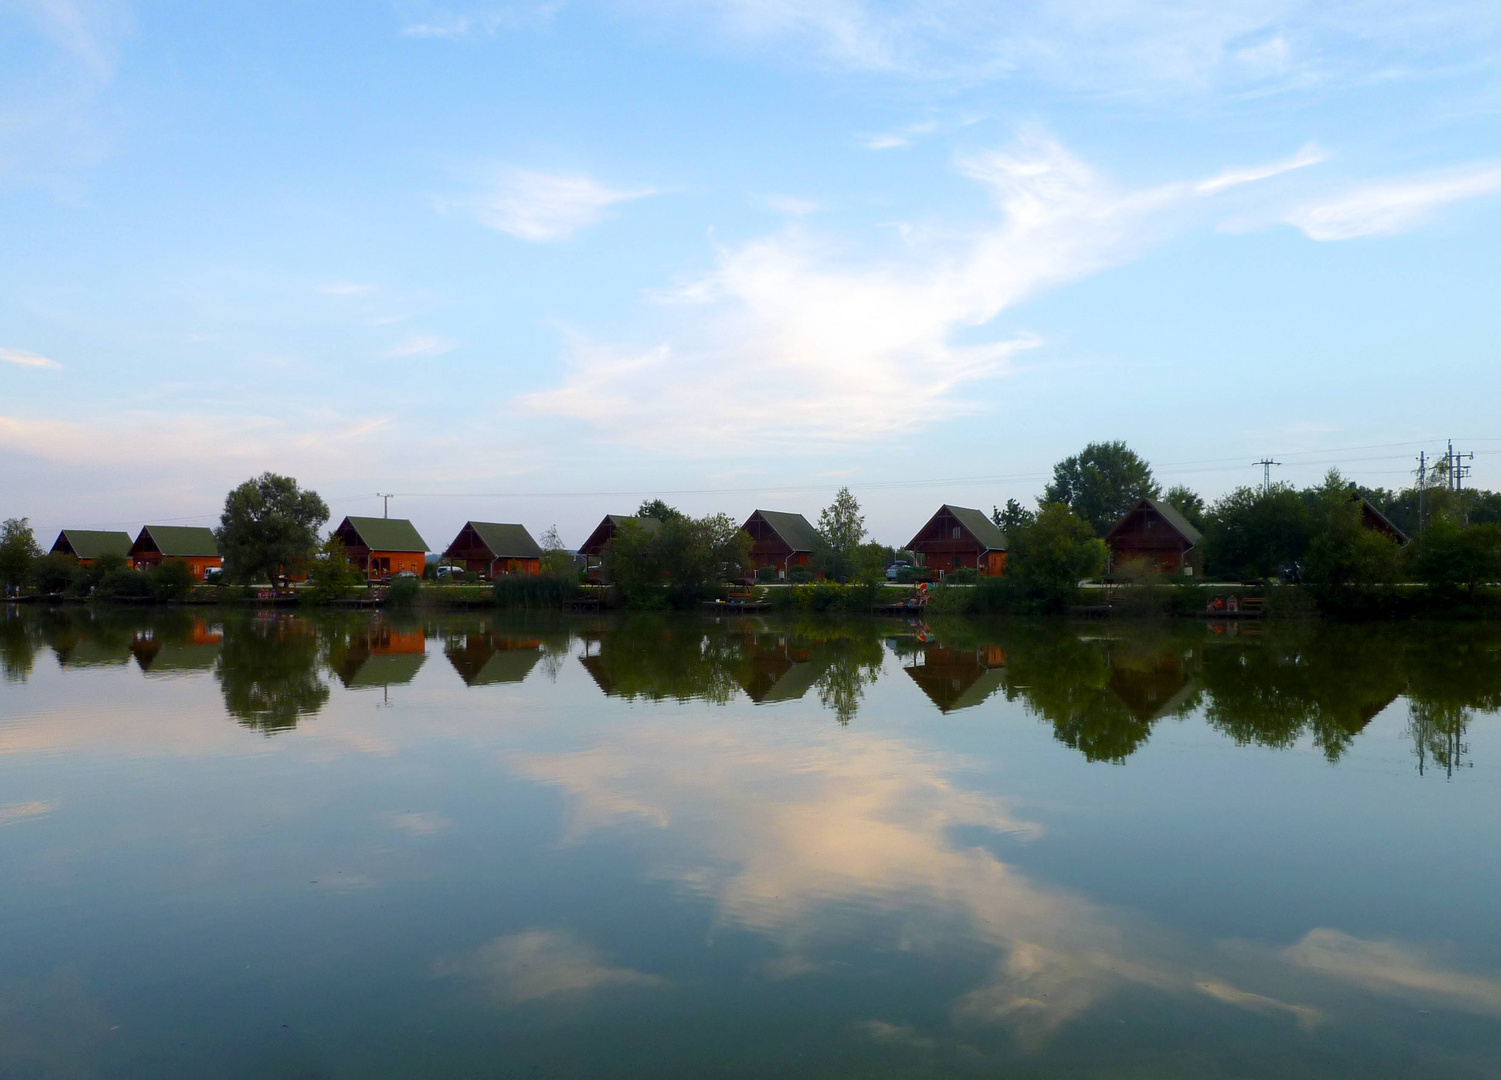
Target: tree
{"type": "Point", "coordinates": [1252, 533]}
{"type": "Point", "coordinates": [1100, 483]}
{"type": "Point", "coordinates": [1342, 552]}
{"type": "Point", "coordinates": [1014, 517]}
{"type": "Point", "coordinates": [557, 560]}
{"type": "Point", "coordinates": [656, 508]}
{"type": "Point", "coordinates": [1188, 503]}
{"type": "Point", "coordinates": [268, 528]}
{"type": "Point", "coordinates": [1048, 558]}
{"type": "Point", "coordinates": [841, 528]}
{"type": "Point", "coordinates": [331, 574]}
{"type": "Point", "coordinates": [1449, 556]}
{"type": "Point", "coordinates": [18, 550]}
{"type": "Point", "coordinates": [682, 562]}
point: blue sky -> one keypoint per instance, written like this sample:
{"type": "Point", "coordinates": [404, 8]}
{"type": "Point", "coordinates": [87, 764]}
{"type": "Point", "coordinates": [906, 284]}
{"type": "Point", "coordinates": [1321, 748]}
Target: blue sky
{"type": "Point", "coordinates": [532, 261]}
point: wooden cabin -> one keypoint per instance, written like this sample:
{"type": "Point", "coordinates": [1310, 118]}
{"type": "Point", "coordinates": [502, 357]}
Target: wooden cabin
{"type": "Point", "coordinates": [1376, 521]}
{"type": "Point", "coordinates": [959, 538]}
{"type": "Point", "coordinates": [488, 548]}
{"type": "Point", "coordinates": [780, 540]}
{"type": "Point", "coordinates": [380, 547]}
{"type": "Point", "coordinates": [192, 544]}
{"type": "Point", "coordinates": [88, 545]}
{"type": "Point", "coordinates": [592, 550]}
{"type": "Point", "coordinates": [1154, 533]}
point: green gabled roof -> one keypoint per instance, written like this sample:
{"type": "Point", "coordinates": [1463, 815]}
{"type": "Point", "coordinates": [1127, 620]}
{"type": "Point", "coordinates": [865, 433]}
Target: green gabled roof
{"type": "Point", "coordinates": [1171, 515]}
{"type": "Point", "coordinates": [182, 541]}
{"type": "Point", "coordinates": [396, 669]}
{"type": "Point", "coordinates": [794, 529]}
{"type": "Point", "coordinates": [387, 534]}
{"type": "Point", "coordinates": [94, 543]}
{"type": "Point", "coordinates": [980, 527]}
{"type": "Point", "coordinates": [507, 541]}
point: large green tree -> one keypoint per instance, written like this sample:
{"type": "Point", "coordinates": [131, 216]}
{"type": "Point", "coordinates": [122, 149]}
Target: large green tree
{"type": "Point", "coordinates": [841, 528]}
{"type": "Point", "coordinates": [269, 528]}
{"type": "Point", "coordinates": [1251, 533]}
{"type": "Point", "coordinates": [1048, 558]}
{"type": "Point", "coordinates": [1100, 483]}
{"type": "Point", "coordinates": [18, 550]}
{"type": "Point", "coordinates": [682, 562]}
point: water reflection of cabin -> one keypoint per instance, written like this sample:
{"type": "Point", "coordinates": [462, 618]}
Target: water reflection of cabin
{"type": "Point", "coordinates": [489, 548]}
{"type": "Point", "coordinates": [1152, 685]}
{"type": "Point", "coordinates": [380, 547]}
{"type": "Point", "coordinates": [485, 659]}
{"type": "Point", "coordinates": [780, 669]}
{"type": "Point", "coordinates": [780, 540]}
{"type": "Point", "coordinates": [592, 550]}
{"type": "Point", "coordinates": [190, 544]}
{"type": "Point", "coordinates": [382, 656]}
{"type": "Point", "coordinates": [160, 653]}
{"type": "Point", "coordinates": [89, 545]}
{"type": "Point", "coordinates": [1156, 535]}
{"type": "Point", "coordinates": [959, 538]}
{"type": "Point", "coordinates": [957, 678]}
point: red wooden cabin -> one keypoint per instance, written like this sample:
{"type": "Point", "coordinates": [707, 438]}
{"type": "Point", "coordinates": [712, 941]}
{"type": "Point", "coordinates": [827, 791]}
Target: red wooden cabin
{"type": "Point", "coordinates": [380, 547]}
{"type": "Point", "coordinates": [87, 545]}
{"type": "Point", "coordinates": [780, 540]}
{"type": "Point", "coordinates": [1156, 534]}
{"type": "Point", "coordinates": [194, 545]}
{"type": "Point", "coordinates": [488, 548]}
{"type": "Point", "coordinates": [960, 538]}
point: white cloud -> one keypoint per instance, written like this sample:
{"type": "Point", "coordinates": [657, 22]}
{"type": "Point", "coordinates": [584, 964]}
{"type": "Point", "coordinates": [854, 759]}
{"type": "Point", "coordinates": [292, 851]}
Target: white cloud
{"type": "Point", "coordinates": [1394, 969]}
{"type": "Point", "coordinates": [544, 207]}
{"type": "Point", "coordinates": [1118, 48]}
{"type": "Point", "coordinates": [421, 345]}
{"type": "Point", "coordinates": [1308, 155]}
{"type": "Point", "coordinates": [538, 964]}
{"type": "Point", "coordinates": [14, 813]}
{"type": "Point", "coordinates": [419, 822]}
{"type": "Point", "coordinates": [784, 342]}
{"type": "Point", "coordinates": [1395, 206]}
{"type": "Point", "coordinates": [27, 359]}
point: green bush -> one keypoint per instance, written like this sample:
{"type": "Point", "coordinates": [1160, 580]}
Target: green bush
{"type": "Point", "coordinates": [171, 579]}
{"type": "Point", "coordinates": [124, 584]}
{"type": "Point", "coordinates": [799, 575]}
{"type": "Point", "coordinates": [403, 591]}
{"type": "Point", "coordinates": [965, 575]}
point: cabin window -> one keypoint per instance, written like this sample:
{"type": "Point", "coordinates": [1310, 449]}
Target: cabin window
{"type": "Point", "coordinates": [956, 532]}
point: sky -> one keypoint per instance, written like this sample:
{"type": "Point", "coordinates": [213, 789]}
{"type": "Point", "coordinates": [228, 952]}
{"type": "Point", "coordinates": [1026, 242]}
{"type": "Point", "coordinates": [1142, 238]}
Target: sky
{"type": "Point", "coordinates": [536, 261]}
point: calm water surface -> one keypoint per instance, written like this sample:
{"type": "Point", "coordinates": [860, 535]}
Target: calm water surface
{"type": "Point", "coordinates": [273, 845]}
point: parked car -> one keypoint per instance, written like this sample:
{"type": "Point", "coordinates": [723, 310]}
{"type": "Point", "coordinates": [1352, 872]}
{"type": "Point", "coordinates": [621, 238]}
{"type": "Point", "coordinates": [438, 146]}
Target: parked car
{"type": "Point", "coordinates": [894, 571]}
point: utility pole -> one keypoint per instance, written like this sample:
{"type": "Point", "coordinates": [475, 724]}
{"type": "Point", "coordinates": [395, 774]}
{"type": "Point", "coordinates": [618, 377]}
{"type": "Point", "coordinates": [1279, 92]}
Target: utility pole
{"type": "Point", "coordinates": [1266, 474]}
{"type": "Point", "coordinates": [1422, 489]}
{"type": "Point", "coordinates": [385, 509]}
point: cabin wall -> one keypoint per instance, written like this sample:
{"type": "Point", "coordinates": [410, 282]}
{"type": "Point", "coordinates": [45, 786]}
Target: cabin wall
{"type": "Point", "coordinates": [200, 565]}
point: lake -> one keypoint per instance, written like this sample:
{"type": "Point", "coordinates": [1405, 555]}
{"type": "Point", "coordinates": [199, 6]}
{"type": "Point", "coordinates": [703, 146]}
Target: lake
{"type": "Point", "coordinates": [272, 845]}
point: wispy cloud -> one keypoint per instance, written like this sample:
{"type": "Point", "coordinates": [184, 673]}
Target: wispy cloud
{"type": "Point", "coordinates": [785, 342]}
{"type": "Point", "coordinates": [421, 345]}
{"type": "Point", "coordinates": [545, 207]}
{"type": "Point", "coordinates": [480, 22]}
{"type": "Point", "coordinates": [1395, 206]}
{"type": "Point", "coordinates": [13, 813]}
{"type": "Point", "coordinates": [1395, 969]}
{"type": "Point", "coordinates": [27, 359]}
{"type": "Point", "coordinates": [1308, 155]}
{"type": "Point", "coordinates": [1123, 48]}
{"type": "Point", "coordinates": [540, 963]}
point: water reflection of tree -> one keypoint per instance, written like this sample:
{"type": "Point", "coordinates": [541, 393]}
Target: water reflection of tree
{"type": "Point", "coordinates": [268, 671]}
{"type": "Point", "coordinates": [852, 664]}
{"type": "Point", "coordinates": [1067, 682]}
{"type": "Point", "coordinates": [20, 638]}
